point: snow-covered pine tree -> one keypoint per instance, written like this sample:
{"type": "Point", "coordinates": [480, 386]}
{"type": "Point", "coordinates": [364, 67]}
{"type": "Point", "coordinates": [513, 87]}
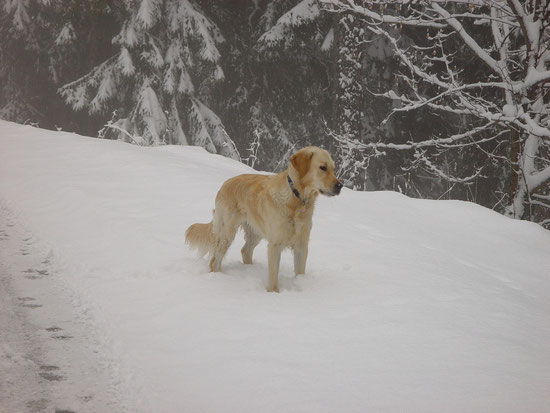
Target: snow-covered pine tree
{"type": "Point", "coordinates": [157, 83]}
{"type": "Point", "coordinates": [292, 73]}
{"type": "Point", "coordinates": [277, 90]}
{"type": "Point", "coordinates": [81, 34]}
{"type": "Point", "coordinates": [282, 19]}
{"type": "Point", "coordinates": [334, 61]}
{"type": "Point", "coordinates": [23, 60]}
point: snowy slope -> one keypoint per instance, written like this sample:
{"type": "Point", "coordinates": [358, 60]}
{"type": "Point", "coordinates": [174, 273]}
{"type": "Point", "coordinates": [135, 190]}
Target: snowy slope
{"type": "Point", "coordinates": [406, 305]}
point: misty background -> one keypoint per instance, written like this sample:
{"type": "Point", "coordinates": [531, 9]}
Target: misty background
{"type": "Point", "coordinates": [379, 84]}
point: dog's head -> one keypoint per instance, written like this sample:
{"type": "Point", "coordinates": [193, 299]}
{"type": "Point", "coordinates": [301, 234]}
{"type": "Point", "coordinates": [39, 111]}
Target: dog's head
{"type": "Point", "coordinates": [315, 170]}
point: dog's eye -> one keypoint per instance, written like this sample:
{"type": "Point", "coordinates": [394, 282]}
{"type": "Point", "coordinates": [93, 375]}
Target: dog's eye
{"type": "Point", "coordinates": [323, 168]}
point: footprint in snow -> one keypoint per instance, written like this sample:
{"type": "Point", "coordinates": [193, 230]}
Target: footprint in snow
{"type": "Point", "coordinates": [35, 274]}
{"type": "Point", "coordinates": [61, 337]}
{"type": "Point", "coordinates": [39, 405]}
{"type": "Point", "coordinates": [51, 376]}
{"type": "Point", "coordinates": [49, 368]}
{"type": "Point", "coordinates": [48, 372]}
{"type": "Point", "coordinates": [31, 305]}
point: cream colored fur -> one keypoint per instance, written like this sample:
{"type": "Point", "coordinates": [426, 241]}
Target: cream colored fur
{"type": "Point", "coordinates": [266, 208]}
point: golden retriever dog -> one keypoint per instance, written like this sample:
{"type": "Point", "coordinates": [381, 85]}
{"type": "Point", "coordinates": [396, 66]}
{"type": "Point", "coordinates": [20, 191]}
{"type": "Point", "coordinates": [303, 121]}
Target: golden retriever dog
{"type": "Point", "coordinates": [278, 208]}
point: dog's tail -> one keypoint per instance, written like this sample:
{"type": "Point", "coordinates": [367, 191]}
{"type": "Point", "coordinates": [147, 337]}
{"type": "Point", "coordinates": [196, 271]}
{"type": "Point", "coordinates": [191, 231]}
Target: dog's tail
{"type": "Point", "coordinates": [201, 238]}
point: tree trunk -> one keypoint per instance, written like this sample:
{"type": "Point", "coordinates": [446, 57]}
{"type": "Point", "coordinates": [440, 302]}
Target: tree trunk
{"type": "Point", "coordinates": [515, 147]}
{"type": "Point", "coordinates": [526, 183]}
{"type": "Point", "coordinates": [349, 93]}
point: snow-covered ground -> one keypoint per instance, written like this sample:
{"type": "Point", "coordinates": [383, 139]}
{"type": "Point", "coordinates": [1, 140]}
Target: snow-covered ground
{"type": "Point", "coordinates": [406, 306]}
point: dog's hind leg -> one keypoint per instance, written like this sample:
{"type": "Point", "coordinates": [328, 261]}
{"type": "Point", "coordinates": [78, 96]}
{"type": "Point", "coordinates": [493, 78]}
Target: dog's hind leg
{"type": "Point", "coordinates": [224, 228]}
{"type": "Point", "coordinates": [252, 239]}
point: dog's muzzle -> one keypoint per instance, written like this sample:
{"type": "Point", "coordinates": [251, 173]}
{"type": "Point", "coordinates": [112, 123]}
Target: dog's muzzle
{"type": "Point", "coordinates": [335, 190]}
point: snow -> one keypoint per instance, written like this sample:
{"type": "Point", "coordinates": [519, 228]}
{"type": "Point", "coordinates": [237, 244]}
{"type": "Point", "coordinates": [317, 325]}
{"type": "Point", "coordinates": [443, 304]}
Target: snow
{"type": "Point", "coordinates": [147, 12]}
{"type": "Point", "coordinates": [406, 305]}
{"type": "Point", "coordinates": [106, 90]}
{"type": "Point", "coordinates": [304, 12]}
{"type": "Point", "coordinates": [209, 131]}
{"type": "Point", "coordinates": [328, 41]}
{"type": "Point", "coordinates": [20, 15]}
{"type": "Point", "coordinates": [151, 111]}
{"type": "Point", "coordinates": [66, 35]}
{"type": "Point", "coordinates": [185, 84]}
{"type": "Point", "coordinates": [125, 62]}
{"type": "Point", "coordinates": [47, 351]}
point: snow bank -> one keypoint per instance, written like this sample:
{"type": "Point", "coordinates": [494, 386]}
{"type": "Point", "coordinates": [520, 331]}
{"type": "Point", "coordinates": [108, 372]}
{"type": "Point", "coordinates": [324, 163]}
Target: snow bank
{"type": "Point", "coordinates": [407, 305]}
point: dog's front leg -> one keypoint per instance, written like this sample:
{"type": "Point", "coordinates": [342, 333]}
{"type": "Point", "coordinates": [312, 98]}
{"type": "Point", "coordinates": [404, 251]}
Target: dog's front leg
{"type": "Point", "coordinates": [273, 260]}
{"type": "Point", "coordinates": [300, 258]}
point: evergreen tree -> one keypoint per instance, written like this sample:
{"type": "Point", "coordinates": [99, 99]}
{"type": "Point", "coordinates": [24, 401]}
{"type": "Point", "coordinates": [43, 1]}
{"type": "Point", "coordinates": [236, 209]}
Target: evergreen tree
{"type": "Point", "coordinates": [335, 67]}
{"type": "Point", "coordinates": [159, 81]}
{"type": "Point", "coordinates": [24, 60]}
{"type": "Point", "coordinates": [293, 72]}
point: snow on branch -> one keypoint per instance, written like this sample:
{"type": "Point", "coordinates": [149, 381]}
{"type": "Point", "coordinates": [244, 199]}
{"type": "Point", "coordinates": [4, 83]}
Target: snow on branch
{"type": "Point", "coordinates": [416, 20]}
{"type": "Point", "coordinates": [468, 40]}
{"type": "Point", "coordinates": [453, 140]}
{"type": "Point", "coordinates": [304, 12]}
{"type": "Point", "coordinates": [508, 44]}
{"type": "Point", "coordinates": [210, 132]}
{"type": "Point", "coordinates": [429, 166]}
{"type": "Point", "coordinates": [76, 93]}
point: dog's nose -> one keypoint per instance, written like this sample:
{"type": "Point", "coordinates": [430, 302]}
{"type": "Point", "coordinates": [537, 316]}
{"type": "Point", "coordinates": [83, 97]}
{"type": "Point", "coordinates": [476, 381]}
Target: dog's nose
{"type": "Point", "coordinates": [337, 187]}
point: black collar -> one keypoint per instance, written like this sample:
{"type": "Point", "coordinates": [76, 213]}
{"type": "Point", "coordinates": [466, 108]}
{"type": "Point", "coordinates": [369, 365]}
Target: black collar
{"type": "Point", "coordinates": [294, 190]}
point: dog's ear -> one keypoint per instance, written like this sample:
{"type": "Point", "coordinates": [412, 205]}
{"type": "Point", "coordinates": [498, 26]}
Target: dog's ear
{"type": "Point", "coordinates": [301, 161]}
